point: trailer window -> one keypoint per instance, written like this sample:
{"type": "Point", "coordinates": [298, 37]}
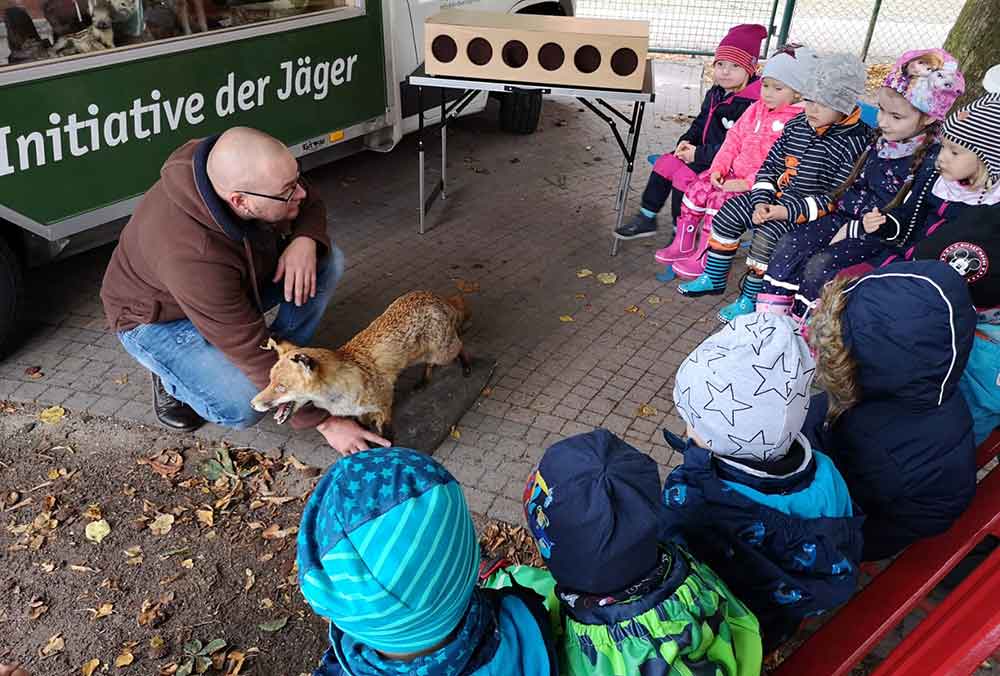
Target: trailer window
{"type": "Point", "coordinates": [38, 30]}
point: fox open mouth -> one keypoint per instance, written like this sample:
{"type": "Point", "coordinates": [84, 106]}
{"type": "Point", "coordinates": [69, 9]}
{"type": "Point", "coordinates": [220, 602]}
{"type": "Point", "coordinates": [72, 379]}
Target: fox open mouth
{"type": "Point", "coordinates": [284, 412]}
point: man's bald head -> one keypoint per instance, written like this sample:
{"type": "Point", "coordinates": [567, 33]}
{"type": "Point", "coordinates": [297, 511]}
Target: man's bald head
{"type": "Point", "coordinates": [247, 159]}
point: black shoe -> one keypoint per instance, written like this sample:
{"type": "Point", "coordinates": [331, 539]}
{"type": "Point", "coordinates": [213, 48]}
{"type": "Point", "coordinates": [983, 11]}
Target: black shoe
{"type": "Point", "coordinates": [172, 412]}
{"type": "Point", "coordinates": [641, 225]}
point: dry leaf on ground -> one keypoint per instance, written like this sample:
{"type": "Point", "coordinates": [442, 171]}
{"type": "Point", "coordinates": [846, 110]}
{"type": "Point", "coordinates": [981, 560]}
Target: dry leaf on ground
{"type": "Point", "coordinates": [206, 516]}
{"type": "Point", "coordinates": [162, 524]}
{"type": "Point", "coordinates": [646, 411]}
{"type": "Point", "coordinates": [90, 667]}
{"type": "Point", "coordinates": [54, 645]}
{"type": "Point", "coordinates": [607, 278]}
{"type": "Point", "coordinates": [654, 300]}
{"type": "Point", "coordinates": [124, 659]}
{"type": "Point", "coordinates": [632, 309]}
{"type": "Point", "coordinates": [455, 434]}
{"type": "Point", "coordinates": [52, 415]}
{"type": "Point", "coordinates": [96, 531]}
{"type": "Point", "coordinates": [275, 532]}
{"type": "Point", "coordinates": [273, 625]}
{"type": "Point", "coordinates": [566, 318]}
{"type": "Point", "coordinates": [166, 464]}
{"type": "Point", "coordinates": [584, 272]}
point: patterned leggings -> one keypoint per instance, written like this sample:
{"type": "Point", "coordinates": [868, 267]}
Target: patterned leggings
{"type": "Point", "coordinates": [702, 202]}
{"type": "Point", "coordinates": [733, 220]}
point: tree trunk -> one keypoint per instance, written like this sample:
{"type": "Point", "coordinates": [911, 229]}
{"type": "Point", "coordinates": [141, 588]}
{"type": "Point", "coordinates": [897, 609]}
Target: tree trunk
{"type": "Point", "coordinates": [975, 41]}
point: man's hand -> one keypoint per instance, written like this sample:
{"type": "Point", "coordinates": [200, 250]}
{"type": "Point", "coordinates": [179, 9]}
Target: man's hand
{"type": "Point", "coordinates": [348, 437]}
{"type": "Point", "coordinates": [298, 266]}
{"type": "Point", "coordinates": [736, 185]}
{"type": "Point", "coordinates": [841, 234]}
{"type": "Point", "coordinates": [872, 221]}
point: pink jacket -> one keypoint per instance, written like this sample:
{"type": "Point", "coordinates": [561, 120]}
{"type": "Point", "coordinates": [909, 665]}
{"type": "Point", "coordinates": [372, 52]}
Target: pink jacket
{"type": "Point", "coordinates": [749, 140]}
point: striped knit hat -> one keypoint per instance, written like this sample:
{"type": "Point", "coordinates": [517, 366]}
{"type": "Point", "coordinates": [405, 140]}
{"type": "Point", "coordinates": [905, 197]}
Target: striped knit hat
{"type": "Point", "coordinates": [742, 46]}
{"type": "Point", "coordinates": [977, 125]}
{"type": "Point", "coordinates": [387, 550]}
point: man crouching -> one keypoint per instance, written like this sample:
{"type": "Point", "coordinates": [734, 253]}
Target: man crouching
{"type": "Point", "coordinates": [228, 232]}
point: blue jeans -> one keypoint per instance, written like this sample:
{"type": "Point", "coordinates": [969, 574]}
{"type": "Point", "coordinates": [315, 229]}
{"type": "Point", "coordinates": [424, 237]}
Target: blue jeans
{"type": "Point", "coordinates": [196, 372]}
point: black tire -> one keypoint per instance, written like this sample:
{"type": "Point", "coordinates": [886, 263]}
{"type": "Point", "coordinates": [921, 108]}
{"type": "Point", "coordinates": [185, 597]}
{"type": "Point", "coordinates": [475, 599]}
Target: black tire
{"type": "Point", "coordinates": [520, 111]}
{"type": "Point", "coordinates": [11, 297]}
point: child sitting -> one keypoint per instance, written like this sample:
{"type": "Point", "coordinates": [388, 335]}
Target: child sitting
{"type": "Point", "coordinates": [736, 87]}
{"type": "Point", "coordinates": [905, 148]}
{"type": "Point", "coordinates": [966, 174]}
{"type": "Point", "coordinates": [813, 156]}
{"type": "Point", "coordinates": [890, 349]}
{"type": "Point", "coordinates": [632, 602]}
{"type": "Point", "coordinates": [737, 162]}
{"type": "Point", "coordinates": [387, 552]}
{"type": "Point", "coordinates": [971, 246]}
{"type": "Point", "coordinates": [753, 498]}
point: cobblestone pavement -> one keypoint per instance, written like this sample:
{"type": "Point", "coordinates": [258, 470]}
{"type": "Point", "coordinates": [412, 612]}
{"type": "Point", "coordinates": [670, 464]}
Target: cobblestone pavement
{"type": "Point", "coordinates": [524, 214]}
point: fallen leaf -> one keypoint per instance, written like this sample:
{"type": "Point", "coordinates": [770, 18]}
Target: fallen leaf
{"type": "Point", "coordinates": [584, 272]}
{"type": "Point", "coordinates": [96, 531]}
{"type": "Point", "coordinates": [52, 474]}
{"type": "Point", "coordinates": [103, 611]}
{"type": "Point", "coordinates": [235, 664]}
{"type": "Point", "coordinates": [166, 464]}
{"type": "Point", "coordinates": [38, 608]}
{"type": "Point", "coordinates": [162, 524]}
{"type": "Point", "coordinates": [48, 567]}
{"type": "Point", "coordinates": [632, 309]}
{"type": "Point", "coordinates": [122, 379]}
{"type": "Point", "coordinates": [128, 491]}
{"type": "Point", "coordinates": [90, 667]}
{"type": "Point", "coordinates": [273, 625]}
{"type": "Point", "coordinates": [150, 614]}
{"type": "Point", "coordinates": [646, 411]}
{"type": "Point", "coordinates": [266, 604]}
{"type": "Point", "coordinates": [34, 372]}
{"type": "Point", "coordinates": [654, 300]}
{"type": "Point", "coordinates": [187, 563]}
{"type": "Point", "coordinates": [55, 644]}
{"type": "Point", "coordinates": [566, 319]}
{"type": "Point", "coordinates": [466, 286]}
{"type": "Point", "coordinates": [249, 581]}
{"type": "Point", "coordinates": [52, 415]}
{"type": "Point", "coordinates": [607, 278]}
{"type": "Point", "coordinates": [214, 646]}
{"type": "Point", "coordinates": [93, 512]}
{"type": "Point", "coordinates": [581, 296]}
{"type": "Point", "coordinates": [84, 569]}
{"type": "Point", "coordinates": [124, 659]}
{"type": "Point", "coordinates": [157, 648]}
{"type": "Point", "coordinates": [206, 516]}
{"type": "Point", "coordinates": [275, 532]}
{"type": "Point", "coordinates": [455, 433]}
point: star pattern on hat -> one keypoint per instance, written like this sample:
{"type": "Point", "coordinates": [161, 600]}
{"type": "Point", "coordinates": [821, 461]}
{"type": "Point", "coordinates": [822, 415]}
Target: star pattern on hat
{"type": "Point", "coordinates": [771, 378]}
{"type": "Point", "coordinates": [802, 378]}
{"type": "Point", "coordinates": [728, 405]}
{"type": "Point", "coordinates": [757, 439]}
{"type": "Point", "coordinates": [686, 403]}
{"type": "Point", "coordinates": [759, 332]}
{"type": "Point", "coordinates": [721, 352]}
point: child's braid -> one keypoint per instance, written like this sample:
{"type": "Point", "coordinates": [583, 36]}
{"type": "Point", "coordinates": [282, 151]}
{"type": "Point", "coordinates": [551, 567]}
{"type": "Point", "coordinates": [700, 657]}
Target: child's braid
{"type": "Point", "coordinates": [930, 138]}
{"type": "Point", "coordinates": [859, 166]}
{"type": "Point", "coordinates": [836, 370]}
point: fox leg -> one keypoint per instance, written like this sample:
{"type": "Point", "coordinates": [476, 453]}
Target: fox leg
{"type": "Point", "coordinates": [466, 362]}
{"type": "Point", "coordinates": [426, 379]}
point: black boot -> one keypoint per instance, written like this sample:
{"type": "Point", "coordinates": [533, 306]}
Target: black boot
{"type": "Point", "coordinates": [171, 412]}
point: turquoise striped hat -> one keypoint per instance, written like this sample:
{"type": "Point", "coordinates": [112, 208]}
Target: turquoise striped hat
{"type": "Point", "coordinates": [387, 550]}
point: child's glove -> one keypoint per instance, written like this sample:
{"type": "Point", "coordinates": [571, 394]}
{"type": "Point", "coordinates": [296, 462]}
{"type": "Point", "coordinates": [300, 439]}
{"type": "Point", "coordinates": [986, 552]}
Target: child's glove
{"type": "Point", "coordinates": [872, 221]}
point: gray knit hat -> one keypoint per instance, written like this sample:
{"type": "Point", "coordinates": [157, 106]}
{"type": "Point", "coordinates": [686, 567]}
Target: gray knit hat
{"type": "Point", "coordinates": [745, 390]}
{"type": "Point", "coordinates": [837, 81]}
{"type": "Point", "coordinates": [977, 125]}
{"type": "Point", "coordinates": [792, 69]}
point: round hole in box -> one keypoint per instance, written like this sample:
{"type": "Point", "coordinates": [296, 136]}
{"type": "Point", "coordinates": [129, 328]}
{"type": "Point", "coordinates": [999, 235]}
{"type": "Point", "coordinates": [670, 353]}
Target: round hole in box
{"type": "Point", "coordinates": [444, 49]}
{"type": "Point", "coordinates": [587, 59]}
{"type": "Point", "coordinates": [514, 54]}
{"type": "Point", "coordinates": [551, 56]}
{"type": "Point", "coordinates": [624, 61]}
{"type": "Point", "coordinates": [479, 51]}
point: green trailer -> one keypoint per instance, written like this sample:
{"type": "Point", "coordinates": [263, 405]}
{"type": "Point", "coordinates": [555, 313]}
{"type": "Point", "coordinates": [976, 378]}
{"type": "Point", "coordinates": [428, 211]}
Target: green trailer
{"type": "Point", "coordinates": [83, 136]}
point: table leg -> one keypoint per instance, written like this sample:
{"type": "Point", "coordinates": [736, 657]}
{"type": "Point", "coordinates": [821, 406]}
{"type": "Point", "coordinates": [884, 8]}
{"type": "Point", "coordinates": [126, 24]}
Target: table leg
{"type": "Point", "coordinates": [629, 164]}
{"type": "Point", "coordinates": [420, 154]}
{"type": "Point", "coordinates": [444, 149]}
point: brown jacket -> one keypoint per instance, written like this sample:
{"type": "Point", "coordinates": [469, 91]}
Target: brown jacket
{"type": "Point", "coordinates": [185, 255]}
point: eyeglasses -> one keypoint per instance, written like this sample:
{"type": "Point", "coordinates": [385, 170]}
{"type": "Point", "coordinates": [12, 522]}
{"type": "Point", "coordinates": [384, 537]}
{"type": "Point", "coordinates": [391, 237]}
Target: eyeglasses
{"type": "Point", "coordinates": [286, 199]}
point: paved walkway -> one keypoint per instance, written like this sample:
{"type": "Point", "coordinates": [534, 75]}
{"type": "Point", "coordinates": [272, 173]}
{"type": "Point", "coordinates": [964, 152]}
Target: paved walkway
{"type": "Point", "coordinates": [524, 215]}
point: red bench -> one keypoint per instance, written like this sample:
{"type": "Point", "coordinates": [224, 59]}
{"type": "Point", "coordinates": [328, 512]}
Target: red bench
{"type": "Point", "coordinates": [955, 637]}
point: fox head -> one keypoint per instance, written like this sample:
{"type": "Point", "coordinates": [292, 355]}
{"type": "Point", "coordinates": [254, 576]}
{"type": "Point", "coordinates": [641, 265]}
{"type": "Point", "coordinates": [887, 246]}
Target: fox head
{"type": "Point", "coordinates": [294, 379]}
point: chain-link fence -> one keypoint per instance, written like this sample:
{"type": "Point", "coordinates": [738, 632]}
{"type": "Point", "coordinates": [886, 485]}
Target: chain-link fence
{"type": "Point", "coordinates": [880, 30]}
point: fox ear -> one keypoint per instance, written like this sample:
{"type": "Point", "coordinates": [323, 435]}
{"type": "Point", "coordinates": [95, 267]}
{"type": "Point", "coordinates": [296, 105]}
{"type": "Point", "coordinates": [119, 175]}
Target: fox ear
{"type": "Point", "coordinates": [307, 363]}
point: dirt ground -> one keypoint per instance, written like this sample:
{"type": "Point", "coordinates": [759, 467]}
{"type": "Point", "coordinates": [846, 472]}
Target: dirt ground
{"type": "Point", "coordinates": [198, 548]}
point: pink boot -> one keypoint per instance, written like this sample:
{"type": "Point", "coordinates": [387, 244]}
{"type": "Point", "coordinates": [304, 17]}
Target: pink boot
{"type": "Point", "coordinates": [684, 243]}
{"type": "Point", "coordinates": [693, 265]}
{"type": "Point", "coordinates": [774, 303]}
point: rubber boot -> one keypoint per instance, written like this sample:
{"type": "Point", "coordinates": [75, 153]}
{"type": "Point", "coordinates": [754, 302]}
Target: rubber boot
{"type": "Point", "coordinates": [692, 266]}
{"type": "Point", "coordinates": [684, 244]}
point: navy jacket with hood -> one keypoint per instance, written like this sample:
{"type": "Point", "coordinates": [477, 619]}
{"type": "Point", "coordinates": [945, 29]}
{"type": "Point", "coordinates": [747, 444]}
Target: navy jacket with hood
{"type": "Point", "coordinates": [906, 449]}
{"type": "Point", "coordinates": [784, 567]}
{"type": "Point", "coordinates": [719, 112]}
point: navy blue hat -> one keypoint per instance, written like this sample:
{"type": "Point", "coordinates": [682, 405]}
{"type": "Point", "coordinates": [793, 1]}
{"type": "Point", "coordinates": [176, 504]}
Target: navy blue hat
{"type": "Point", "coordinates": [593, 506]}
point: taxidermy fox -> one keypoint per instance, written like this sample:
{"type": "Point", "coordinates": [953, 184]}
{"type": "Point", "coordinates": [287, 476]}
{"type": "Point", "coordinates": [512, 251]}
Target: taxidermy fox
{"type": "Point", "coordinates": [358, 378]}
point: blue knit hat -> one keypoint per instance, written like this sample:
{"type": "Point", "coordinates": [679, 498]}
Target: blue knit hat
{"type": "Point", "coordinates": [593, 506]}
{"type": "Point", "coordinates": [387, 550]}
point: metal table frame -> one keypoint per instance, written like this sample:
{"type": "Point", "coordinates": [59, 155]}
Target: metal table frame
{"type": "Point", "coordinates": [593, 99]}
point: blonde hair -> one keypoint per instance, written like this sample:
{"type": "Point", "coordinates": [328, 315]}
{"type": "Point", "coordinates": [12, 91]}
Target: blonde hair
{"type": "Point", "coordinates": [836, 369]}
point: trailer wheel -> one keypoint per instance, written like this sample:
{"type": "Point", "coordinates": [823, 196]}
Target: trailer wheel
{"type": "Point", "coordinates": [11, 296]}
{"type": "Point", "coordinates": [520, 111]}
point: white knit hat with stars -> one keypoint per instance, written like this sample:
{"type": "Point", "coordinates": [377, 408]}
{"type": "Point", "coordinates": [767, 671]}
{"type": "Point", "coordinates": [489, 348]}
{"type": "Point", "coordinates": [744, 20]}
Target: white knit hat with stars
{"type": "Point", "coordinates": [745, 390]}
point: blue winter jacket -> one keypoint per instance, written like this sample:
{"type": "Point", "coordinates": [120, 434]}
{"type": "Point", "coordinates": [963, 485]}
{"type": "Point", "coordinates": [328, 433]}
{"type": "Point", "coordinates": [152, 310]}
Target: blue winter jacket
{"type": "Point", "coordinates": [522, 644]}
{"type": "Point", "coordinates": [788, 546]}
{"type": "Point", "coordinates": [907, 449]}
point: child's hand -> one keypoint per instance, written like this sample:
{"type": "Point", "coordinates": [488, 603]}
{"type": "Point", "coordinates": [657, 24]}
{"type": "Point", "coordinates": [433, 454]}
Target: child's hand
{"type": "Point", "coordinates": [872, 221]}
{"type": "Point", "coordinates": [736, 185]}
{"type": "Point", "coordinates": [686, 155]}
{"type": "Point", "coordinates": [841, 234]}
{"type": "Point", "coordinates": [759, 213]}
{"type": "Point", "coordinates": [770, 212]}
{"type": "Point", "coordinates": [683, 145]}
{"type": "Point", "coordinates": [716, 180]}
